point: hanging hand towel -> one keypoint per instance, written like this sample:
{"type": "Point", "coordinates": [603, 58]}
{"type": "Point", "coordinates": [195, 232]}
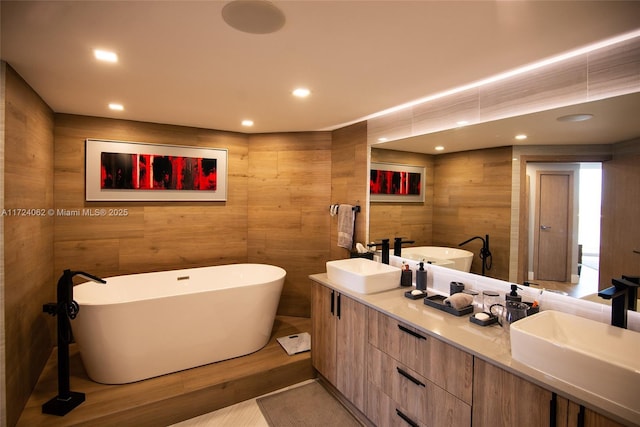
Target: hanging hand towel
{"type": "Point", "coordinates": [346, 219]}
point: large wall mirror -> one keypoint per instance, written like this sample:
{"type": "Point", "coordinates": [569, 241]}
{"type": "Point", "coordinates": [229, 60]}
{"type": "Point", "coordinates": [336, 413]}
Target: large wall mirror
{"type": "Point", "coordinates": [485, 182]}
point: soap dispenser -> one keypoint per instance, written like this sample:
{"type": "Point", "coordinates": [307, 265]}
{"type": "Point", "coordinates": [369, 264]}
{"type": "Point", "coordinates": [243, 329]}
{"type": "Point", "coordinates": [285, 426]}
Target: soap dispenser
{"type": "Point", "coordinates": [513, 295]}
{"type": "Point", "coordinates": [421, 278]}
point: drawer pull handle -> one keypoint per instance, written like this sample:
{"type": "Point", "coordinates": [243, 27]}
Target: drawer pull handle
{"type": "Point", "coordinates": [406, 419]}
{"type": "Point", "coordinates": [410, 377]}
{"type": "Point", "coordinates": [410, 332]}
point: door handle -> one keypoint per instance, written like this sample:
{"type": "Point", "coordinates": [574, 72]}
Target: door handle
{"type": "Point", "coordinates": [545, 227]}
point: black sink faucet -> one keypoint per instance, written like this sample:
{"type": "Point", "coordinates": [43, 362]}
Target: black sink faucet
{"type": "Point", "coordinates": [385, 249]}
{"type": "Point", "coordinates": [623, 295]}
{"type": "Point", "coordinates": [397, 245]}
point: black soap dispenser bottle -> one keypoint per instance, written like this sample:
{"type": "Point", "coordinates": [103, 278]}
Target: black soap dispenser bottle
{"type": "Point", "coordinates": [421, 278]}
{"type": "Point", "coordinates": [513, 295]}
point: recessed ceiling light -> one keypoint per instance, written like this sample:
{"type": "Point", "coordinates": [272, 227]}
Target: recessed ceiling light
{"type": "Point", "coordinates": [439, 148]}
{"type": "Point", "coordinates": [301, 92]}
{"type": "Point", "coordinates": [521, 137]}
{"type": "Point", "coordinates": [105, 55]}
{"type": "Point", "coordinates": [116, 107]}
{"type": "Point", "coordinates": [462, 123]}
{"type": "Point", "coordinates": [382, 139]}
{"type": "Point", "coordinates": [575, 117]}
{"type": "Point", "coordinates": [247, 123]}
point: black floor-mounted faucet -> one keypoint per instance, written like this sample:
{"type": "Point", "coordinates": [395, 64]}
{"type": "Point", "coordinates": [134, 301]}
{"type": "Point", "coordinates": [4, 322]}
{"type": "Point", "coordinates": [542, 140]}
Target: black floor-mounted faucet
{"type": "Point", "coordinates": [397, 245]}
{"type": "Point", "coordinates": [485, 253]}
{"type": "Point", "coordinates": [66, 308]}
{"type": "Point", "coordinates": [624, 296]}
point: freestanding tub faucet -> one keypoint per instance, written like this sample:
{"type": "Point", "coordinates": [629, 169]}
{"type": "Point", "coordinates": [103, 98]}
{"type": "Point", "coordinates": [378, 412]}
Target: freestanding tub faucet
{"type": "Point", "coordinates": [485, 253]}
{"type": "Point", "coordinates": [65, 308]}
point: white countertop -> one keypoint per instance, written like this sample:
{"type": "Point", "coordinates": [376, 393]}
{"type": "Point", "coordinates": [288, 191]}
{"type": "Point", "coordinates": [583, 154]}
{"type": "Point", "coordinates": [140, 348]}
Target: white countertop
{"type": "Point", "coordinates": [489, 343]}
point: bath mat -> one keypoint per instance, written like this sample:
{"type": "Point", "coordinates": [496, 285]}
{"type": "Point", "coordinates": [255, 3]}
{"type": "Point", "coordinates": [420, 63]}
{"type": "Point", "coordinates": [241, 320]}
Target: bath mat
{"type": "Point", "coordinates": [309, 405]}
{"type": "Point", "coordinates": [297, 343]}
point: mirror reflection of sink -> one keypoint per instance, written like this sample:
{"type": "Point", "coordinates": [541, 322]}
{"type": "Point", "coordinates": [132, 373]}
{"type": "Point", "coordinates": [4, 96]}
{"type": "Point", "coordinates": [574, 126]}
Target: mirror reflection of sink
{"type": "Point", "coordinates": [594, 356]}
{"type": "Point", "coordinates": [363, 275]}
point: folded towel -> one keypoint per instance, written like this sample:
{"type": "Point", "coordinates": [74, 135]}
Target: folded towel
{"type": "Point", "coordinates": [346, 219]}
{"type": "Point", "coordinates": [459, 300]}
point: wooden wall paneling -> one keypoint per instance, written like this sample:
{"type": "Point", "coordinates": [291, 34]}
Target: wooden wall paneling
{"type": "Point", "coordinates": [472, 197]}
{"type": "Point", "coordinates": [410, 220]}
{"type": "Point", "coordinates": [288, 218]}
{"type": "Point", "coordinates": [349, 181]}
{"type": "Point", "coordinates": [28, 240]}
{"type": "Point", "coordinates": [620, 230]}
{"type": "Point", "coordinates": [152, 235]}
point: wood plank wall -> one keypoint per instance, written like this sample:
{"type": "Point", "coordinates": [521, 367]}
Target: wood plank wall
{"type": "Point", "coordinates": [28, 240]}
{"type": "Point", "coordinates": [472, 197]}
{"type": "Point", "coordinates": [152, 236]}
{"type": "Point", "coordinates": [620, 228]}
{"type": "Point", "coordinates": [288, 220]}
{"type": "Point", "coordinates": [349, 181]}
{"type": "Point", "coordinates": [413, 221]}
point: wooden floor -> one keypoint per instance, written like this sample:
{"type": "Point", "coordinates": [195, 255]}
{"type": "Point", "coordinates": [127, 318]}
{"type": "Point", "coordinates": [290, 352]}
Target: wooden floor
{"type": "Point", "coordinates": [175, 397]}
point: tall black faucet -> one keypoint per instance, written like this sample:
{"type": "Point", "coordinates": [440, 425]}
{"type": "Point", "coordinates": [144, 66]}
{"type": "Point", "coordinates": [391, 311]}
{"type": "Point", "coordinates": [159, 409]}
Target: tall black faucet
{"type": "Point", "coordinates": [384, 251]}
{"type": "Point", "coordinates": [623, 295]}
{"type": "Point", "coordinates": [65, 308]}
{"type": "Point", "coordinates": [485, 253]}
{"type": "Point", "coordinates": [397, 245]}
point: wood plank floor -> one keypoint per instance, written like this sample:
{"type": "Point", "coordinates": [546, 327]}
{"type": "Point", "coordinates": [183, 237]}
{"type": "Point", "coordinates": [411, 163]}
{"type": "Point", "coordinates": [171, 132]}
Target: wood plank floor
{"type": "Point", "coordinates": [175, 397]}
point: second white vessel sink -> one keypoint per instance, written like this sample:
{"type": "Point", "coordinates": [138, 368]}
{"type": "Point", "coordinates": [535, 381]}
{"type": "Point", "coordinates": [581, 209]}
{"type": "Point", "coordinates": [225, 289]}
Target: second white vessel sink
{"type": "Point", "coordinates": [591, 355]}
{"type": "Point", "coordinates": [363, 275]}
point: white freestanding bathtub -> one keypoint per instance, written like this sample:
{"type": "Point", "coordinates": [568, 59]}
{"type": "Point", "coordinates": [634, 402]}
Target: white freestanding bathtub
{"type": "Point", "coordinates": [144, 325]}
{"type": "Point", "coordinates": [458, 259]}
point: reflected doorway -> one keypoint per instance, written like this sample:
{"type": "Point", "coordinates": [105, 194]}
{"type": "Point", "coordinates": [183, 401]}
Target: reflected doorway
{"type": "Point", "coordinates": [583, 255]}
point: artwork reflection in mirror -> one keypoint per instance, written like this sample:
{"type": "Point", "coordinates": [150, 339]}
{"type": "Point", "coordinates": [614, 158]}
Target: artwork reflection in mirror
{"type": "Point", "coordinates": [390, 182]}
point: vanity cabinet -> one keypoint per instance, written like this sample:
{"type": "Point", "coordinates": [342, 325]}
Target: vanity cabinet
{"type": "Point", "coordinates": [338, 328]}
{"type": "Point", "coordinates": [501, 398]}
{"type": "Point", "coordinates": [413, 378]}
{"type": "Point", "coordinates": [571, 414]}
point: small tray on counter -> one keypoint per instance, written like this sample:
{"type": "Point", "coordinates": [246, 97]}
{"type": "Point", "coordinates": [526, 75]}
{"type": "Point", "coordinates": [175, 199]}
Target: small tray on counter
{"type": "Point", "coordinates": [437, 301]}
{"type": "Point", "coordinates": [409, 295]}
{"type": "Point", "coordinates": [490, 321]}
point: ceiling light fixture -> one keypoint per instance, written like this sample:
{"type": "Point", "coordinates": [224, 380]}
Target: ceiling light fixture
{"type": "Point", "coordinates": [383, 139]}
{"type": "Point", "coordinates": [247, 123]}
{"type": "Point", "coordinates": [439, 148]}
{"type": "Point", "coordinates": [575, 117]}
{"type": "Point", "coordinates": [105, 55]}
{"type": "Point", "coordinates": [521, 137]}
{"type": "Point", "coordinates": [462, 123]}
{"type": "Point", "coordinates": [253, 16]}
{"type": "Point", "coordinates": [301, 92]}
{"type": "Point", "coordinates": [116, 107]}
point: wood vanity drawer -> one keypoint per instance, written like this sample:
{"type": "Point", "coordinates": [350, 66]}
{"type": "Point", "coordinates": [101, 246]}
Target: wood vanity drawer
{"type": "Point", "coordinates": [435, 360]}
{"type": "Point", "coordinates": [384, 411]}
{"type": "Point", "coordinates": [415, 396]}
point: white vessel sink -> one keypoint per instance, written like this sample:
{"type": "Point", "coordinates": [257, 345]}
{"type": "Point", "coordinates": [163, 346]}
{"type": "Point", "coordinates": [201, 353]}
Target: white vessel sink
{"type": "Point", "coordinates": [594, 356]}
{"type": "Point", "coordinates": [363, 275]}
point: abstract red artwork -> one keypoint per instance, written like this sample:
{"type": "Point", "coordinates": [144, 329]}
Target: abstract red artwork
{"type": "Point", "coordinates": [157, 172]}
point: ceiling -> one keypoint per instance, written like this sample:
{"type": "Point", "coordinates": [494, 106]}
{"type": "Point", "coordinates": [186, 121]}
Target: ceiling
{"type": "Point", "coordinates": [614, 120]}
{"type": "Point", "coordinates": [181, 63]}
